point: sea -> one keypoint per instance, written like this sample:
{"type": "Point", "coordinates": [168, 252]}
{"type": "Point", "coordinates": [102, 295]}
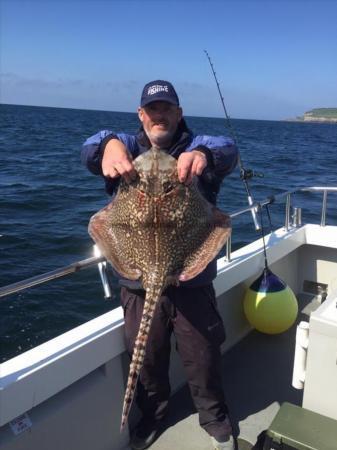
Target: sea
{"type": "Point", "coordinates": [47, 198]}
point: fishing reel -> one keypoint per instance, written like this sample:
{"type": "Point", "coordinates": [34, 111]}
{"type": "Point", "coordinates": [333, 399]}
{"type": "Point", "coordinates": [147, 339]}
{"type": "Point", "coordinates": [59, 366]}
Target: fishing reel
{"type": "Point", "coordinates": [248, 174]}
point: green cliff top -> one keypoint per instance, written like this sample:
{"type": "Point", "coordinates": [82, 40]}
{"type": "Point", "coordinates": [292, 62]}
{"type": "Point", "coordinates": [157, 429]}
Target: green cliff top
{"type": "Point", "coordinates": [329, 113]}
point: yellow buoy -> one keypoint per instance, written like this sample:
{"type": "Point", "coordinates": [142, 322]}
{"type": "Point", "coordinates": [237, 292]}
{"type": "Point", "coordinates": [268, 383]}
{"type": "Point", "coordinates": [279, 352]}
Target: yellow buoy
{"type": "Point", "coordinates": [269, 304]}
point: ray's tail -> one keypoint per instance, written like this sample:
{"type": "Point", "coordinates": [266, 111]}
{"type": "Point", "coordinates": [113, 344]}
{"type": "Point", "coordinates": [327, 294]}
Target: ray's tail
{"type": "Point", "coordinates": [151, 300]}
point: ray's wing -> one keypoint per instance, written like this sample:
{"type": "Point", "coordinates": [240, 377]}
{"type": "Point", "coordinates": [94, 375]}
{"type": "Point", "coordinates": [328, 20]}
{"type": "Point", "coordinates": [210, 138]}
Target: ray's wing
{"type": "Point", "coordinates": [211, 240]}
{"type": "Point", "coordinates": [113, 240]}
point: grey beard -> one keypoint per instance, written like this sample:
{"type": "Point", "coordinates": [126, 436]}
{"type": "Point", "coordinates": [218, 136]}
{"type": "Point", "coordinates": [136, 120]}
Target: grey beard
{"type": "Point", "coordinates": [160, 141]}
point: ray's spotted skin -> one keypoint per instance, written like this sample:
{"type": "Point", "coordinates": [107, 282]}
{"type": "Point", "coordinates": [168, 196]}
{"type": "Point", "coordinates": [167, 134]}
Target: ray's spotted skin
{"type": "Point", "coordinates": [160, 231]}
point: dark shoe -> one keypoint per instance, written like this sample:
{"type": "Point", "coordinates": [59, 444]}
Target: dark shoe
{"type": "Point", "coordinates": [225, 445]}
{"type": "Point", "coordinates": [225, 440]}
{"type": "Point", "coordinates": [144, 435]}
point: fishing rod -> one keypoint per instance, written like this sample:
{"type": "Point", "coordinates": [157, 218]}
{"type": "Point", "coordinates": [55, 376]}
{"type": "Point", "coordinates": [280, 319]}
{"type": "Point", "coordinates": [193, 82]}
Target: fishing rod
{"type": "Point", "coordinates": [245, 174]}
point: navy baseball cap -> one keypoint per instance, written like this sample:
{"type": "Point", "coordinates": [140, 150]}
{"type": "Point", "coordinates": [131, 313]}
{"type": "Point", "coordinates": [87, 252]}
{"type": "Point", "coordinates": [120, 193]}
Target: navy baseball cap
{"type": "Point", "coordinates": [159, 90]}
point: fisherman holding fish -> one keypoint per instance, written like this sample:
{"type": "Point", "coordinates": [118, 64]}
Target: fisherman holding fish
{"type": "Point", "coordinates": [188, 310]}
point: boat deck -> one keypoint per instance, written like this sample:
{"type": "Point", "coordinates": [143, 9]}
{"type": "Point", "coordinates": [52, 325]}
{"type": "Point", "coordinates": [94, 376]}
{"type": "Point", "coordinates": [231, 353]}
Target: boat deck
{"type": "Point", "coordinates": [257, 380]}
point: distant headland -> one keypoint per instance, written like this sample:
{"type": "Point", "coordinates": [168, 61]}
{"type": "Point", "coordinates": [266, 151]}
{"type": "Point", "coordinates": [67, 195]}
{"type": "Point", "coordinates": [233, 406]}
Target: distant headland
{"type": "Point", "coordinates": [328, 115]}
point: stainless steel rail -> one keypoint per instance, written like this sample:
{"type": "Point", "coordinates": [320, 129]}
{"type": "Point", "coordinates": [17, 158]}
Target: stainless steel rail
{"type": "Point", "coordinates": [52, 275]}
{"type": "Point", "coordinates": [85, 263]}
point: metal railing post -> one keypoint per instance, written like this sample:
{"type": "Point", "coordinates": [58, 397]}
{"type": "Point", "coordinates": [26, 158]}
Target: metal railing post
{"type": "Point", "coordinates": [103, 272]}
{"type": "Point", "coordinates": [323, 215]}
{"type": "Point", "coordinates": [229, 249]}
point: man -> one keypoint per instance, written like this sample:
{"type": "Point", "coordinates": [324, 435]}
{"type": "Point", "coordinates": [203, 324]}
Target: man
{"type": "Point", "coordinates": [188, 310]}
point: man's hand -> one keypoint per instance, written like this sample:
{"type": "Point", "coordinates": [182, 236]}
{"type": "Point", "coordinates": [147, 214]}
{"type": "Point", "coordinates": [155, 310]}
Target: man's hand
{"type": "Point", "coordinates": [189, 165]}
{"type": "Point", "coordinates": [117, 161]}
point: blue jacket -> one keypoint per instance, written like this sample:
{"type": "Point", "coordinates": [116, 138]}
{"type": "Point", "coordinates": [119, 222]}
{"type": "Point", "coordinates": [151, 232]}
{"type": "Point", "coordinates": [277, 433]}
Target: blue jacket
{"type": "Point", "coordinates": [221, 154]}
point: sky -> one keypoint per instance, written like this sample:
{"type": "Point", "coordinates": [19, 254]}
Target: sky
{"type": "Point", "coordinates": [274, 59]}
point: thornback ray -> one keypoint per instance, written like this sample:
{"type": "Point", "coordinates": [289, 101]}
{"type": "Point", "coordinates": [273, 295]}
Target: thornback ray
{"type": "Point", "coordinates": [159, 231]}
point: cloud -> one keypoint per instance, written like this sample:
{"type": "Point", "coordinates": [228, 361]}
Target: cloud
{"type": "Point", "coordinates": [15, 80]}
{"type": "Point", "coordinates": [69, 93]}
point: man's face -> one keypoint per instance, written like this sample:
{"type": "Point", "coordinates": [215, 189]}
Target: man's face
{"type": "Point", "coordinates": [160, 121]}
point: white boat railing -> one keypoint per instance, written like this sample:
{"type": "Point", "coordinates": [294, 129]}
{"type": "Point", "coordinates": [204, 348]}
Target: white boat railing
{"type": "Point", "coordinates": [89, 262]}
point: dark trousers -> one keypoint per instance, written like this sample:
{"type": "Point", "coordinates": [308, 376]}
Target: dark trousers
{"type": "Point", "coordinates": [192, 315]}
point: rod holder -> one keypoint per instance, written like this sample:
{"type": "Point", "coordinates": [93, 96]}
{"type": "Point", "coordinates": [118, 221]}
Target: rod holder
{"type": "Point", "coordinates": [254, 214]}
{"type": "Point", "coordinates": [297, 217]}
{"type": "Point", "coordinates": [288, 206]}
